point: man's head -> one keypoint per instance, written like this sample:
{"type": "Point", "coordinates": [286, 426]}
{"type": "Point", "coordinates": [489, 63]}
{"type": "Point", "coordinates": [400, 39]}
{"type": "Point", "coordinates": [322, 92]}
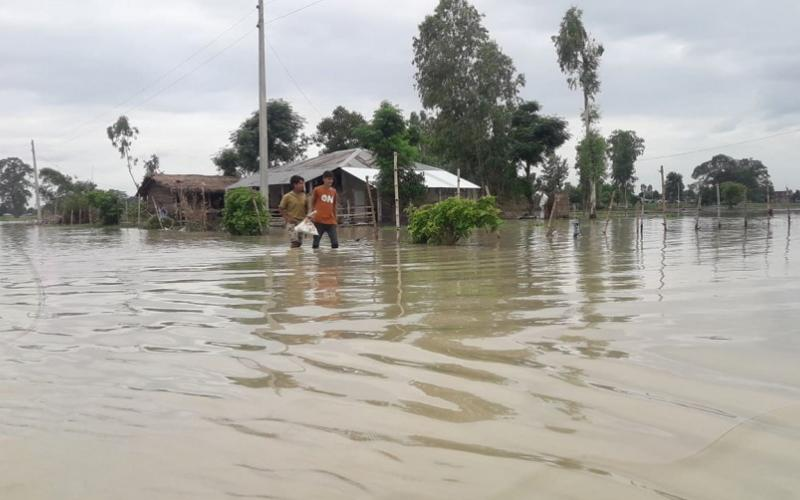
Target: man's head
{"type": "Point", "coordinates": [298, 184]}
{"type": "Point", "coordinates": [327, 178]}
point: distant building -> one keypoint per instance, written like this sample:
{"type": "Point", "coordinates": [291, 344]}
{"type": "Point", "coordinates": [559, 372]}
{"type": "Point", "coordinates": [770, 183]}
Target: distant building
{"type": "Point", "coordinates": [351, 169]}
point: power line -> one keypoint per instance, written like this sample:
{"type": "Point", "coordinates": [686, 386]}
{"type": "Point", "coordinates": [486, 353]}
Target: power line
{"type": "Point", "coordinates": [206, 61]}
{"type": "Point", "coordinates": [297, 85]}
{"type": "Point", "coordinates": [153, 82]}
{"type": "Point", "coordinates": [715, 148]}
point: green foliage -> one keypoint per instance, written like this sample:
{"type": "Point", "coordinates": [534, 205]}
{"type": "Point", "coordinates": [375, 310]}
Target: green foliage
{"type": "Point", "coordinates": [386, 134]}
{"type": "Point", "coordinates": [15, 185]}
{"type": "Point", "coordinates": [624, 148]}
{"type": "Point", "coordinates": [579, 58]}
{"type": "Point", "coordinates": [109, 205]}
{"type": "Point", "coordinates": [122, 134]}
{"type": "Point", "coordinates": [285, 141]}
{"type": "Point", "coordinates": [673, 186]}
{"type": "Point", "coordinates": [240, 215]}
{"type": "Point", "coordinates": [721, 168]}
{"type": "Point", "coordinates": [591, 165]}
{"type": "Point", "coordinates": [337, 132]}
{"type": "Point", "coordinates": [554, 172]}
{"type": "Point", "coordinates": [470, 86]}
{"type": "Point", "coordinates": [732, 193]}
{"type": "Point", "coordinates": [453, 219]}
{"type": "Point", "coordinates": [152, 165]}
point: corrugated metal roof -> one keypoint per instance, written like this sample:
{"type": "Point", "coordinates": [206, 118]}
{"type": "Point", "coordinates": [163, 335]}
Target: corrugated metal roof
{"type": "Point", "coordinates": [359, 163]}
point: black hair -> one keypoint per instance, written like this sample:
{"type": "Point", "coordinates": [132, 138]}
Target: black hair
{"type": "Point", "coordinates": [295, 179]}
{"type": "Point", "coordinates": [327, 174]}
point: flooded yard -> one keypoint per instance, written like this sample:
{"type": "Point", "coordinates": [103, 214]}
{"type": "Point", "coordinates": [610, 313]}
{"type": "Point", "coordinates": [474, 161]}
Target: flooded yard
{"type": "Point", "coordinates": [167, 365]}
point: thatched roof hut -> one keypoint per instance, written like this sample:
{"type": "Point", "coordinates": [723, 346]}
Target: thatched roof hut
{"type": "Point", "coordinates": [186, 198]}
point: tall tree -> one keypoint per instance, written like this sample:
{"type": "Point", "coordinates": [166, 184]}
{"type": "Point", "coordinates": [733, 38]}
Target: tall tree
{"type": "Point", "coordinates": [286, 142]}
{"type": "Point", "coordinates": [554, 172]}
{"type": "Point", "coordinates": [15, 185]}
{"type": "Point", "coordinates": [673, 186]}
{"type": "Point", "coordinates": [337, 132]}
{"type": "Point", "coordinates": [591, 164]}
{"type": "Point", "coordinates": [579, 59]}
{"type": "Point", "coordinates": [386, 134]}
{"type": "Point", "coordinates": [122, 134]}
{"type": "Point", "coordinates": [534, 137]}
{"type": "Point", "coordinates": [752, 173]}
{"type": "Point", "coordinates": [467, 83]}
{"type": "Point", "coordinates": [624, 148]}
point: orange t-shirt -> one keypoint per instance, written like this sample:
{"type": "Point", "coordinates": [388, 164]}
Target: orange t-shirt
{"type": "Point", "coordinates": [324, 202]}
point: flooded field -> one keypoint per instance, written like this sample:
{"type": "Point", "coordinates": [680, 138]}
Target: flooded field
{"type": "Point", "coordinates": [166, 365]}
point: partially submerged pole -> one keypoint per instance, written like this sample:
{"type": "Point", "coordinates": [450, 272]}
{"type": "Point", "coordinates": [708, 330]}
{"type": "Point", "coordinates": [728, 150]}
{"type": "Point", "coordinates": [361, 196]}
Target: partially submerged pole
{"type": "Point", "coordinates": [608, 215]}
{"type": "Point", "coordinates": [788, 206]}
{"type": "Point", "coordinates": [396, 195]}
{"type": "Point", "coordinates": [663, 198]}
{"type": "Point", "coordinates": [552, 214]}
{"type": "Point", "coordinates": [719, 220]}
{"type": "Point", "coordinates": [36, 184]}
{"type": "Point", "coordinates": [745, 208]}
{"type": "Point", "coordinates": [371, 206]}
{"type": "Point", "coordinates": [697, 217]}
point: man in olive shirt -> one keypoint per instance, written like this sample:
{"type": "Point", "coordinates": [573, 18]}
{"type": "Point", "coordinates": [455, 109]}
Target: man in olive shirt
{"type": "Point", "coordinates": [293, 209]}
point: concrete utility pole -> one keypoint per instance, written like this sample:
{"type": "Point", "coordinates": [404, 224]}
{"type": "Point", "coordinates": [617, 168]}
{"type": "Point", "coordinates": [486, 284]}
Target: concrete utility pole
{"type": "Point", "coordinates": [36, 184]}
{"type": "Point", "coordinates": [663, 197]}
{"type": "Point", "coordinates": [263, 153]}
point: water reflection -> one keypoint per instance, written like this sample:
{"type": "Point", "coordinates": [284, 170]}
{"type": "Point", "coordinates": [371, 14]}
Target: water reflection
{"type": "Point", "coordinates": [456, 372]}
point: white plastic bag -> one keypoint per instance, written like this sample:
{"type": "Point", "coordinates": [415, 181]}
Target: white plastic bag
{"type": "Point", "coordinates": [307, 227]}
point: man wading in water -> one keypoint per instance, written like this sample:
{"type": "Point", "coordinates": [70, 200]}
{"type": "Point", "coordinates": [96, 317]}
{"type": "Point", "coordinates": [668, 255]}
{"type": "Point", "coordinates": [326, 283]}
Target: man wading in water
{"type": "Point", "coordinates": [323, 206]}
{"type": "Point", "coordinates": [293, 209]}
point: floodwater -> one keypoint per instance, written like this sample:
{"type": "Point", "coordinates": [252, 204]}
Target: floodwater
{"type": "Point", "coordinates": [165, 365]}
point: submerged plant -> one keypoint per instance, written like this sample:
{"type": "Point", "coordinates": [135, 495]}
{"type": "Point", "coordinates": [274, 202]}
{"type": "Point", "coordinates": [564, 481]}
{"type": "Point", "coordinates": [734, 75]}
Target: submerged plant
{"type": "Point", "coordinates": [451, 220]}
{"type": "Point", "coordinates": [244, 212]}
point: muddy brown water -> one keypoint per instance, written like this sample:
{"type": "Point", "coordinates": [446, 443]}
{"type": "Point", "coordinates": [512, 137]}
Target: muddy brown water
{"type": "Point", "coordinates": [166, 365]}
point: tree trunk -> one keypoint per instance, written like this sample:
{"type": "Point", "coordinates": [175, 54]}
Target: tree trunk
{"type": "Point", "coordinates": [592, 199]}
{"type": "Point", "coordinates": [530, 185]}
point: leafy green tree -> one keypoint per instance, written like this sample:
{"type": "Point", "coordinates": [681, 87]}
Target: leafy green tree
{"type": "Point", "coordinates": [732, 193]}
{"type": "Point", "coordinates": [579, 58]}
{"type": "Point", "coordinates": [245, 212]}
{"type": "Point", "coordinates": [453, 219]}
{"type": "Point", "coordinates": [554, 172]}
{"type": "Point", "coordinates": [752, 173]}
{"type": "Point", "coordinates": [15, 185]}
{"type": "Point", "coordinates": [534, 137]}
{"type": "Point", "coordinates": [122, 135]}
{"type": "Point", "coordinates": [624, 148]}
{"type": "Point", "coordinates": [591, 165]}
{"type": "Point", "coordinates": [386, 134]}
{"type": "Point", "coordinates": [673, 186]}
{"type": "Point", "coordinates": [337, 132]}
{"type": "Point", "coordinates": [467, 84]}
{"type": "Point", "coordinates": [109, 204]}
{"type": "Point", "coordinates": [285, 141]}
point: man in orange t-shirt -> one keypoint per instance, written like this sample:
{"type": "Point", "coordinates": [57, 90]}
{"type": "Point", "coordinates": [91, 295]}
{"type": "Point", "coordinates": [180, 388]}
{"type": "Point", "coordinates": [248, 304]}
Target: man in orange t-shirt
{"type": "Point", "coordinates": [323, 203]}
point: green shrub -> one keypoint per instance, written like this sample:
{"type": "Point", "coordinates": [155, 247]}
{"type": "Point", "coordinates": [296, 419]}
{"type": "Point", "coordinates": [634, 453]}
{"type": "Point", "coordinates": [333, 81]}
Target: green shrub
{"type": "Point", "coordinates": [166, 222]}
{"type": "Point", "coordinates": [732, 193]}
{"type": "Point", "coordinates": [109, 205]}
{"type": "Point", "coordinates": [240, 215]}
{"type": "Point", "coordinates": [453, 219]}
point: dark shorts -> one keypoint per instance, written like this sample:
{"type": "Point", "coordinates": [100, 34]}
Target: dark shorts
{"type": "Point", "coordinates": [326, 228]}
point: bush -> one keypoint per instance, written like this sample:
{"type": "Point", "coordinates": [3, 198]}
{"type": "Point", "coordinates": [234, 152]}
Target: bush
{"type": "Point", "coordinates": [240, 215]}
{"type": "Point", "coordinates": [109, 205]}
{"type": "Point", "coordinates": [453, 219]}
{"type": "Point", "coordinates": [732, 193]}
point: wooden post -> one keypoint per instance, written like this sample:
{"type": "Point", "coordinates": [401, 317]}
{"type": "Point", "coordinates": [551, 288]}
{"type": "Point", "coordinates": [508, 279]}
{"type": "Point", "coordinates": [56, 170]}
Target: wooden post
{"type": "Point", "coordinates": [663, 197]}
{"type": "Point", "coordinates": [458, 182]}
{"type": "Point", "coordinates": [36, 185]}
{"type": "Point", "coordinates": [396, 196]}
{"type": "Point", "coordinates": [699, 200]}
{"type": "Point", "coordinates": [788, 206]}
{"type": "Point", "coordinates": [769, 207]}
{"type": "Point", "coordinates": [158, 212]}
{"type": "Point", "coordinates": [258, 216]}
{"type": "Point", "coordinates": [372, 207]}
{"type": "Point", "coordinates": [138, 211]}
{"type": "Point", "coordinates": [745, 208]}
{"type": "Point", "coordinates": [608, 215]}
{"type": "Point", "coordinates": [719, 220]}
{"type": "Point", "coordinates": [641, 220]}
{"type": "Point", "coordinates": [552, 214]}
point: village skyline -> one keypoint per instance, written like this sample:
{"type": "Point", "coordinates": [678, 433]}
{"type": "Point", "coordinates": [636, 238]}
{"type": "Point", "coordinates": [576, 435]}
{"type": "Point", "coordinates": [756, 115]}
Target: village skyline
{"type": "Point", "coordinates": [681, 84]}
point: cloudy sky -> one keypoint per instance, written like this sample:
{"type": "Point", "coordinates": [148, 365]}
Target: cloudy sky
{"type": "Point", "coordinates": [686, 75]}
